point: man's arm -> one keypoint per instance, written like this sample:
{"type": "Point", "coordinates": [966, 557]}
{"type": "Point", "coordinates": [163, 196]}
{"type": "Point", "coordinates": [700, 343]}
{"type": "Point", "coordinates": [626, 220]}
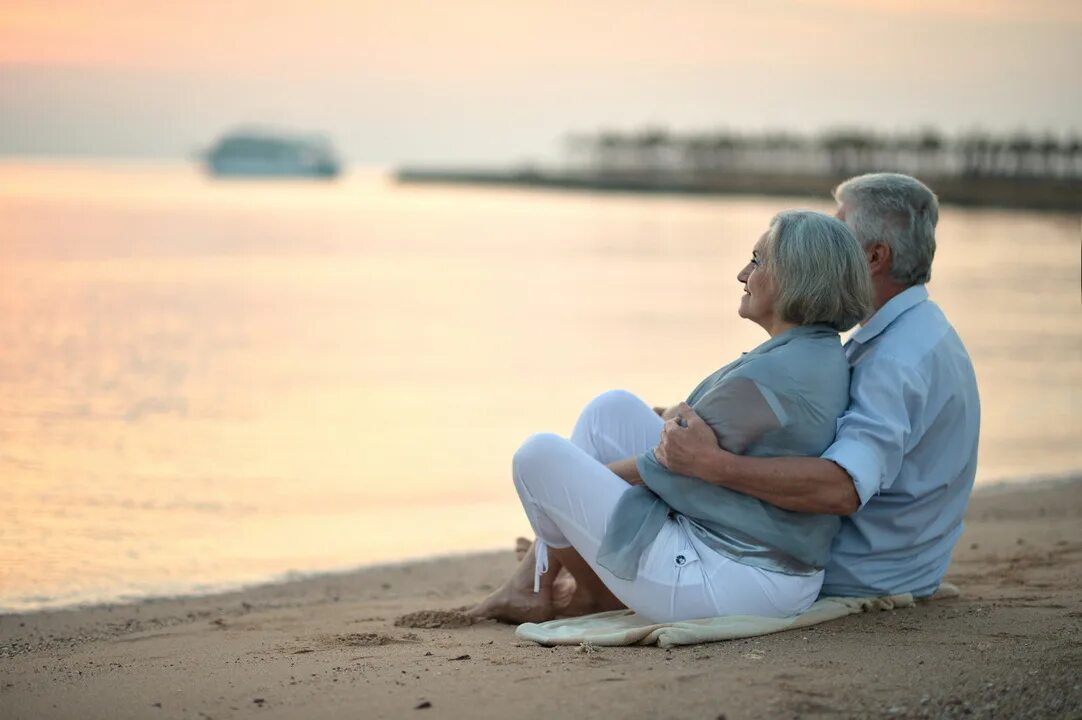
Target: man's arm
{"type": "Point", "coordinates": [812, 485]}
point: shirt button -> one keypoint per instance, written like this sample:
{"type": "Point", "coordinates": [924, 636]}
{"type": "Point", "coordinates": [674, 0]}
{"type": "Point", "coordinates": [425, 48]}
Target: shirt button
{"type": "Point", "coordinates": [680, 559]}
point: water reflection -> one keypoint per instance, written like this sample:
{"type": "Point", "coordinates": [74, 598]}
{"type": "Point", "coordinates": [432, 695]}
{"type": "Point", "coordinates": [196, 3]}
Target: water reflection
{"type": "Point", "coordinates": [206, 384]}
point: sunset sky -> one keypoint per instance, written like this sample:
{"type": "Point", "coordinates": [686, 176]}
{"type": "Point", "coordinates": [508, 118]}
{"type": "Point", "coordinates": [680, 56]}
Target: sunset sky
{"type": "Point", "coordinates": [494, 80]}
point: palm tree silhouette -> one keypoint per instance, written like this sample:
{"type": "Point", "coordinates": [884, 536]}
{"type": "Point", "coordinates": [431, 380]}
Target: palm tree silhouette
{"type": "Point", "coordinates": [846, 151]}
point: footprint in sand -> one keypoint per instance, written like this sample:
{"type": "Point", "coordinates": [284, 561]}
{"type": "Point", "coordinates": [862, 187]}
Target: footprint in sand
{"type": "Point", "coordinates": [367, 639]}
{"type": "Point", "coordinates": [431, 619]}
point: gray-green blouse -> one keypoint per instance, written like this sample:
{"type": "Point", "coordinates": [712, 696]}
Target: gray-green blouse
{"type": "Point", "coordinates": [782, 398]}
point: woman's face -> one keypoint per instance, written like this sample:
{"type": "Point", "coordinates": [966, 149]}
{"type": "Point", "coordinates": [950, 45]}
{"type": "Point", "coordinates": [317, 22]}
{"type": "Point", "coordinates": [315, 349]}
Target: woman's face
{"type": "Point", "coordinates": [758, 301]}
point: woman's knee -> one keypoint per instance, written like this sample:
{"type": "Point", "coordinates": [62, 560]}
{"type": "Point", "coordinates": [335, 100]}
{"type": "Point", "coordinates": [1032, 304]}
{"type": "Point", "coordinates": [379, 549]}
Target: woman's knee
{"type": "Point", "coordinates": [614, 403]}
{"type": "Point", "coordinates": [536, 452]}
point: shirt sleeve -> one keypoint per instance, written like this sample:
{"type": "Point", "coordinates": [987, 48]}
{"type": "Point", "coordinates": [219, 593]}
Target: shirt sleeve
{"type": "Point", "coordinates": [740, 411]}
{"type": "Point", "coordinates": [876, 431]}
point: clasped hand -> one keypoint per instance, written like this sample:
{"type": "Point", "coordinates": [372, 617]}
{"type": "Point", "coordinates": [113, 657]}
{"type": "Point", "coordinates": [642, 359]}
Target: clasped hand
{"type": "Point", "coordinates": [685, 440]}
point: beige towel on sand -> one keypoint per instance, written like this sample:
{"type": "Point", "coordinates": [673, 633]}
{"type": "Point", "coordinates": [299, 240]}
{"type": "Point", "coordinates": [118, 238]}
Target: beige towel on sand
{"type": "Point", "coordinates": [624, 627]}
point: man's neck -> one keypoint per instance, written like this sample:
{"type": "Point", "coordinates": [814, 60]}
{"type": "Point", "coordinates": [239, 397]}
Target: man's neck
{"type": "Point", "coordinates": [885, 291]}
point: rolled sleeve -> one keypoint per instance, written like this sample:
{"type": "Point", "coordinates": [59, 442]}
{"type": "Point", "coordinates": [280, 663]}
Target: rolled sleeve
{"type": "Point", "coordinates": [862, 463]}
{"type": "Point", "coordinates": [875, 432]}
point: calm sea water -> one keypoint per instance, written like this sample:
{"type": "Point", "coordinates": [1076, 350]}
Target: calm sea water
{"type": "Point", "coordinates": [205, 384]}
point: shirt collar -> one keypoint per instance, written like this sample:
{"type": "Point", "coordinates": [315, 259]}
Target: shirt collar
{"type": "Point", "coordinates": [891, 311]}
{"type": "Point", "coordinates": [815, 330]}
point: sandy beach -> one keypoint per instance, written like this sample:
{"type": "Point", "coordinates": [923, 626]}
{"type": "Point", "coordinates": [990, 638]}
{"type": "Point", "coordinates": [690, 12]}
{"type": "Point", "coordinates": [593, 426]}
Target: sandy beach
{"type": "Point", "coordinates": [328, 647]}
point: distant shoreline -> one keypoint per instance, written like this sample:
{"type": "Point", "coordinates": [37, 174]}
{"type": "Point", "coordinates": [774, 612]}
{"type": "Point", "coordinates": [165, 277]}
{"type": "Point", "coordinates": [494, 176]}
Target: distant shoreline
{"type": "Point", "coordinates": [1054, 195]}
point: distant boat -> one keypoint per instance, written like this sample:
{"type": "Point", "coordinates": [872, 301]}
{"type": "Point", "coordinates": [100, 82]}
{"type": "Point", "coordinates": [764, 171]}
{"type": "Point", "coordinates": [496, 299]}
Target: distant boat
{"type": "Point", "coordinates": [266, 154]}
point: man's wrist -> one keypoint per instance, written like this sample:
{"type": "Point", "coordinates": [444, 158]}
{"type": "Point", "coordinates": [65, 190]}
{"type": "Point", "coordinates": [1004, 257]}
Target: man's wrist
{"type": "Point", "coordinates": [714, 466]}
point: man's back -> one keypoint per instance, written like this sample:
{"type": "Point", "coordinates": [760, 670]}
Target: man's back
{"type": "Point", "coordinates": [909, 441]}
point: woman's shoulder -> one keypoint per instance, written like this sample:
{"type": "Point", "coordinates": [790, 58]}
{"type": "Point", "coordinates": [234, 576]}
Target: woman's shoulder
{"type": "Point", "coordinates": [798, 346]}
{"type": "Point", "coordinates": [807, 358]}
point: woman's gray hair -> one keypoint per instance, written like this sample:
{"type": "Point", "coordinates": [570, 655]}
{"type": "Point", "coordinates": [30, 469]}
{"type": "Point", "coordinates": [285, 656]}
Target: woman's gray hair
{"type": "Point", "coordinates": [819, 270]}
{"type": "Point", "coordinates": [898, 210]}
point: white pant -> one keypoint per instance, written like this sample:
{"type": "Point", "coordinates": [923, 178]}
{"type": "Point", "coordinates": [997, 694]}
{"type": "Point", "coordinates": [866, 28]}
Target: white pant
{"type": "Point", "coordinates": [569, 494]}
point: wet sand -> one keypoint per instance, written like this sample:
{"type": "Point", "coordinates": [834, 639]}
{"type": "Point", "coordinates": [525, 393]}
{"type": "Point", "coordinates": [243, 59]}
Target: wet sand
{"type": "Point", "coordinates": [329, 647]}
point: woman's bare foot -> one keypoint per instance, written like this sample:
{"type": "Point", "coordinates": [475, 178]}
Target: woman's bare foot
{"type": "Point", "coordinates": [581, 602]}
{"type": "Point", "coordinates": [515, 606]}
{"type": "Point", "coordinates": [522, 546]}
{"type": "Point", "coordinates": [563, 587]}
{"type": "Point", "coordinates": [515, 601]}
{"type": "Point", "coordinates": [590, 593]}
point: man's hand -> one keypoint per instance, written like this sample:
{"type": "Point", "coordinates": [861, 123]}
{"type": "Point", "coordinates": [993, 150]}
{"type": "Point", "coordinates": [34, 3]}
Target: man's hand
{"type": "Point", "coordinates": [687, 450]}
{"type": "Point", "coordinates": [801, 484]}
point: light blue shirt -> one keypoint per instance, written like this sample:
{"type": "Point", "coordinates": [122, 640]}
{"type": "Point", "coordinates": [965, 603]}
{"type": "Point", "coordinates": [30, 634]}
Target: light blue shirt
{"type": "Point", "coordinates": [909, 441]}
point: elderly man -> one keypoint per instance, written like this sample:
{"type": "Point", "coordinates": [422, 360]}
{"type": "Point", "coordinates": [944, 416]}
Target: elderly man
{"type": "Point", "coordinates": [903, 462]}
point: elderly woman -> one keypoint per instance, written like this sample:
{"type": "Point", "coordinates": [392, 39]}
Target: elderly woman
{"type": "Point", "coordinates": [671, 547]}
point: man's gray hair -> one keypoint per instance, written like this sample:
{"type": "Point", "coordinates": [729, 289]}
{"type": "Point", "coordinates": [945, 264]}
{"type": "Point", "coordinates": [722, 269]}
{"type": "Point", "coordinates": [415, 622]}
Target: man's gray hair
{"type": "Point", "coordinates": [898, 210]}
{"type": "Point", "coordinates": [819, 270]}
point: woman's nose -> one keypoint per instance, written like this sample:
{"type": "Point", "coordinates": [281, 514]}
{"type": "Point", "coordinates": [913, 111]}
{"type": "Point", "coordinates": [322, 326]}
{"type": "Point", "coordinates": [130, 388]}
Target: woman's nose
{"type": "Point", "coordinates": [742, 276]}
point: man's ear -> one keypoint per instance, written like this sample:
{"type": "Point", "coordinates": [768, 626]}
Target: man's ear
{"type": "Point", "coordinates": [879, 258]}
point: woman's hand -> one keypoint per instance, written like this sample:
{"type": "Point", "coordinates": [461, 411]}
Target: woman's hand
{"type": "Point", "coordinates": [627, 470]}
{"type": "Point", "coordinates": [667, 413]}
{"type": "Point", "coordinates": [686, 449]}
